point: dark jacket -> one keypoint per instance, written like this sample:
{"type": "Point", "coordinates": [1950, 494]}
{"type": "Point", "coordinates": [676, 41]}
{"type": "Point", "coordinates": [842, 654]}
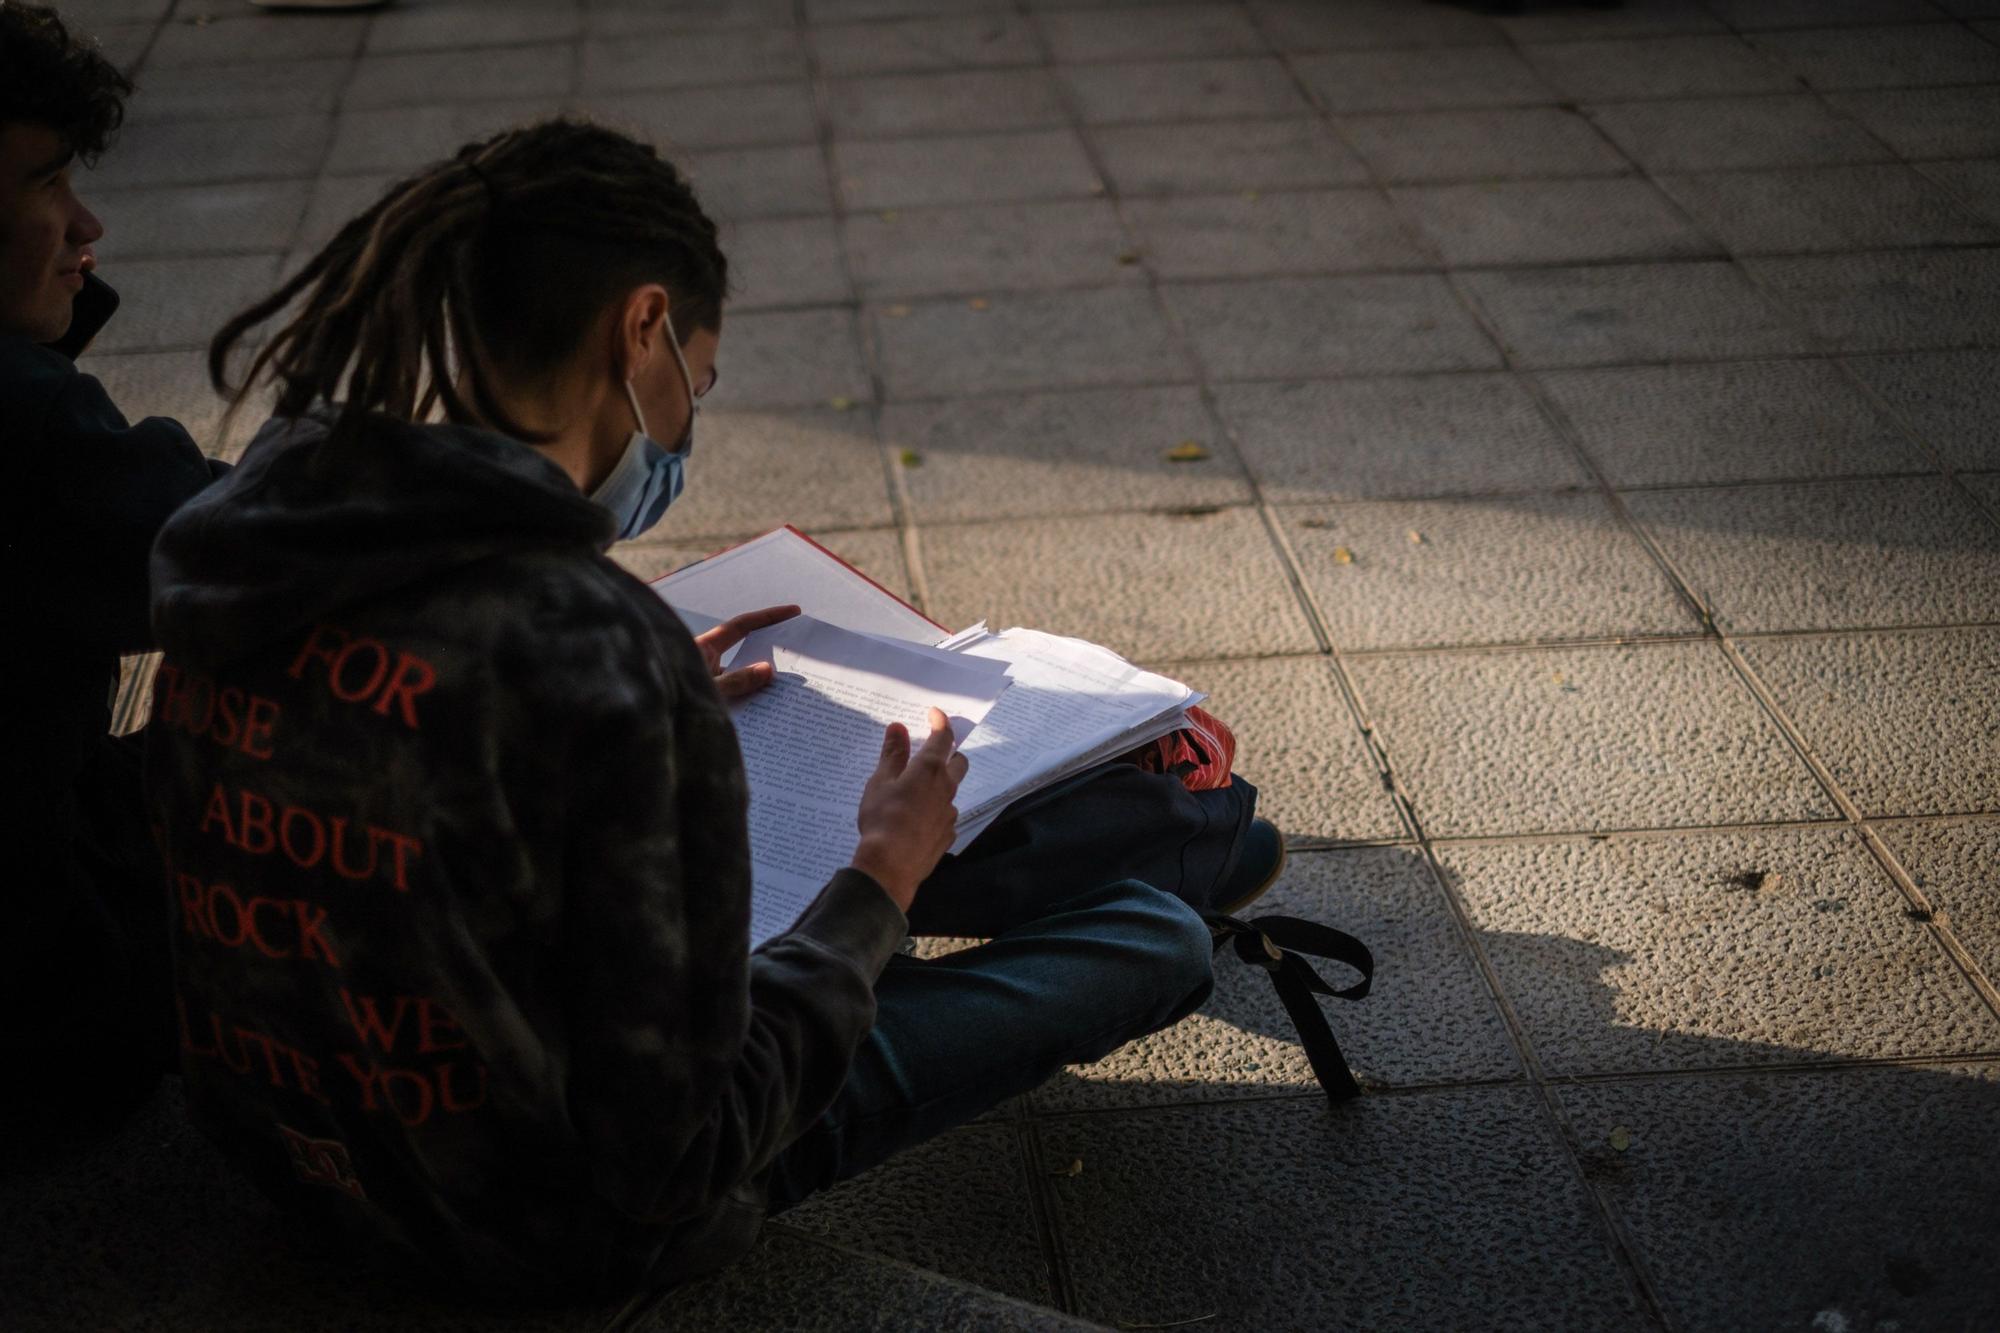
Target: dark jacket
{"type": "Point", "coordinates": [456, 824]}
{"type": "Point", "coordinates": [82, 958]}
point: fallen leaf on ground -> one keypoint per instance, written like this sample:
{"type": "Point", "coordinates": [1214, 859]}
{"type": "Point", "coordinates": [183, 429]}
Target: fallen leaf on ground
{"type": "Point", "coordinates": [979, 303]}
{"type": "Point", "coordinates": [888, 215]}
{"type": "Point", "coordinates": [840, 403]}
{"type": "Point", "coordinates": [1187, 451]}
{"type": "Point", "coordinates": [897, 311]}
{"type": "Point", "coordinates": [1129, 257]}
{"type": "Point", "coordinates": [1342, 556]}
{"type": "Point", "coordinates": [1416, 538]}
{"type": "Point", "coordinates": [911, 458]}
{"type": "Point", "coordinates": [1621, 1139]}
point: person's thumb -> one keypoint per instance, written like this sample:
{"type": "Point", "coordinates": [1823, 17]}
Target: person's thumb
{"type": "Point", "coordinates": [895, 750]}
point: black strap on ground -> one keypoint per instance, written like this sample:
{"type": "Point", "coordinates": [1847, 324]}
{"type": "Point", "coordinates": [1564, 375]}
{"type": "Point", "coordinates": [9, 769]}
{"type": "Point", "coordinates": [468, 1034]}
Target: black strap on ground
{"type": "Point", "coordinates": [1275, 944]}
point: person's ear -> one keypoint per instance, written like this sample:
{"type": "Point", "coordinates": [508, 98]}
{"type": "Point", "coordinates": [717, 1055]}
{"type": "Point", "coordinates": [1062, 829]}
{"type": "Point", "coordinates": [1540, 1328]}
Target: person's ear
{"type": "Point", "coordinates": [641, 325]}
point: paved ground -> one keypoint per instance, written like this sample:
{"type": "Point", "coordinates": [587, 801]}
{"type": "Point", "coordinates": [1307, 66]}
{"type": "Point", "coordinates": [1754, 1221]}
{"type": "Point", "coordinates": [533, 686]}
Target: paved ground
{"type": "Point", "coordinates": [1595, 546]}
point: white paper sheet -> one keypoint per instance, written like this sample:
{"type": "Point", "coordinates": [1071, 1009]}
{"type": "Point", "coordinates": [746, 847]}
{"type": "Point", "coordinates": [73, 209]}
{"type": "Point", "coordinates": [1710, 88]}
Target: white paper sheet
{"type": "Point", "coordinates": [812, 737]}
{"type": "Point", "coordinates": [780, 567]}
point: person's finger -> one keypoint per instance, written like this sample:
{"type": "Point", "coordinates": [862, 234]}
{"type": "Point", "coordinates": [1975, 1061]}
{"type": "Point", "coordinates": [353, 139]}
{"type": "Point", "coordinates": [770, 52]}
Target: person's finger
{"type": "Point", "coordinates": [938, 745]}
{"type": "Point", "coordinates": [955, 768]}
{"type": "Point", "coordinates": [737, 628]}
{"type": "Point", "coordinates": [744, 680]}
{"type": "Point", "coordinates": [895, 750]}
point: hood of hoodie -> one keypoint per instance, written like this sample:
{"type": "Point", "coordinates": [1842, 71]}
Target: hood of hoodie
{"type": "Point", "coordinates": [310, 522]}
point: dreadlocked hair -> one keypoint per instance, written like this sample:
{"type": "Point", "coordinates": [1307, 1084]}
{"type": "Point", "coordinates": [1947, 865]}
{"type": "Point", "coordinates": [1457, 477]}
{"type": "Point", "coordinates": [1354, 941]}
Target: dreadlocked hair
{"type": "Point", "coordinates": [491, 266]}
{"type": "Point", "coordinates": [49, 77]}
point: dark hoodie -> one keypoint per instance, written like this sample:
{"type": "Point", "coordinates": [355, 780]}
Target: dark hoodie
{"type": "Point", "coordinates": [82, 965]}
{"type": "Point", "coordinates": [455, 821]}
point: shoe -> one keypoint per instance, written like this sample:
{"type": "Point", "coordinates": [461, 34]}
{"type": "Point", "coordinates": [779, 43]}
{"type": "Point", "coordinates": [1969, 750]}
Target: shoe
{"type": "Point", "coordinates": [1258, 866]}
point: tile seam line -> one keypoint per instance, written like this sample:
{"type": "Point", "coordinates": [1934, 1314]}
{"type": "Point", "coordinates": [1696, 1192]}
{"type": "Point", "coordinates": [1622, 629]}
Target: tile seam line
{"type": "Point", "coordinates": [1626, 1256]}
{"type": "Point", "coordinates": [1045, 1203]}
{"type": "Point", "coordinates": [895, 488]}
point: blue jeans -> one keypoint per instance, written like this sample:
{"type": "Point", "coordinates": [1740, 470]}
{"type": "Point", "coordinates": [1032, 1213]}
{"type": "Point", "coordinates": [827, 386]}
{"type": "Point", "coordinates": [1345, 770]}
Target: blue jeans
{"type": "Point", "coordinates": [1092, 957]}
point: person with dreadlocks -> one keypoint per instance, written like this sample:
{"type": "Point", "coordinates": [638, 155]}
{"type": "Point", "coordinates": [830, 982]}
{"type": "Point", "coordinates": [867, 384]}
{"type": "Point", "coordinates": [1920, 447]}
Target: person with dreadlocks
{"type": "Point", "coordinates": [453, 812]}
{"type": "Point", "coordinates": [83, 955]}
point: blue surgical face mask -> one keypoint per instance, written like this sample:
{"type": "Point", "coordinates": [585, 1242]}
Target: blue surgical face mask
{"type": "Point", "coordinates": [648, 476]}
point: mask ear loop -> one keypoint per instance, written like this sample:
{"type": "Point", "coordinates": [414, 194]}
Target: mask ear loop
{"type": "Point", "coordinates": [637, 415]}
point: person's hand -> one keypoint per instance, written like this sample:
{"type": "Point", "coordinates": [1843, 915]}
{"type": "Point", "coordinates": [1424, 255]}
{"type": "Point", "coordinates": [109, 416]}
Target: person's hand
{"type": "Point", "coordinates": [907, 820]}
{"type": "Point", "coordinates": [718, 641]}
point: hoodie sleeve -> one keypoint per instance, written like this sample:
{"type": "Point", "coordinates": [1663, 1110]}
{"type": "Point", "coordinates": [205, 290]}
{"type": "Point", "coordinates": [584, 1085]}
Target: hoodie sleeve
{"type": "Point", "coordinates": [694, 1061]}
{"type": "Point", "coordinates": [105, 487]}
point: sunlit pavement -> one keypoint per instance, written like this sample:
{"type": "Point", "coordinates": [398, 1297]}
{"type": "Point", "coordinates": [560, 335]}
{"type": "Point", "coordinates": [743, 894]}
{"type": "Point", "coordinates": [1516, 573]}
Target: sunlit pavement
{"type": "Point", "coordinates": [1565, 446]}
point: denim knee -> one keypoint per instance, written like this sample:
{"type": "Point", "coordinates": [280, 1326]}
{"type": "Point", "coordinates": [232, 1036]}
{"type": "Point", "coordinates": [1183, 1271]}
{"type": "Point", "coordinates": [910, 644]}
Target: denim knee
{"type": "Point", "coordinates": [1178, 941]}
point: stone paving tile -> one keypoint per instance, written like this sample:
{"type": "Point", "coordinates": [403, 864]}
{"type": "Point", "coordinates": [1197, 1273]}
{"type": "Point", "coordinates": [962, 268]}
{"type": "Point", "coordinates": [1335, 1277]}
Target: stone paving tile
{"type": "Point", "coordinates": [1756, 15]}
{"type": "Point", "coordinates": [1942, 397]}
{"type": "Point", "coordinates": [241, 38]}
{"type": "Point", "coordinates": [1428, 1018]}
{"type": "Point", "coordinates": [1202, 158]}
{"type": "Point", "coordinates": [1422, 80]}
{"type": "Point", "coordinates": [1633, 18]}
{"type": "Point", "coordinates": [1522, 569]}
{"type": "Point", "coordinates": [627, 18]}
{"type": "Point", "coordinates": [1770, 1202]}
{"type": "Point", "coordinates": [150, 1229]}
{"type": "Point", "coordinates": [972, 169]}
{"type": "Point", "coordinates": [1203, 585]}
{"type": "Point", "coordinates": [989, 248]}
{"type": "Point", "coordinates": [122, 43]}
{"type": "Point", "coordinates": [856, 11]}
{"type": "Point", "coordinates": [1827, 208]}
{"type": "Point", "coordinates": [740, 183]}
{"type": "Point", "coordinates": [1730, 132]}
{"type": "Point", "coordinates": [172, 303]}
{"type": "Point", "coordinates": [197, 152]}
{"type": "Point", "coordinates": [737, 116]}
{"type": "Point", "coordinates": [1387, 438]}
{"type": "Point", "coordinates": [456, 24]}
{"type": "Point", "coordinates": [1551, 222]}
{"type": "Point", "coordinates": [402, 139]}
{"type": "Point", "coordinates": [1582, 739]}
{"type": "Point", "coordinates": [815, 469]}
{"type": "Point", "coordinates": [1929, 122]}
{"type": "Point", "coordinates": [1040, 454]}
{"type": "Point", "coordinates": [1182, 90]}
{"type": "Point", "coordinates": [1482, 145]}
{"type": "Point", "coordinates": [907, 46]}
{"type": "Point", "coordinates": [1883, 57]}
{"type": "Point", "coordinates": [1985, 486]}
{"type": "Point", "coordinates": [1635, 312]}
{"type": "Point", "coordinates": [964, 102]}
{"type": "Point", "coordinates": [1305, 327]}
{"type": "Point", "coordinates": [90, 15]}
{"type": "Point", "coordinates": [1906, 723]}
{"type": "Point", "coordinates": [1730, 421]}
{"type": "Point", "coordinates": [980, 1230]}
{"type": "Point", "coordinates": [1890, 302]}
{"type": "Point", "coordinates": [792, 358]}
{"type": "Point", "coordinates": [1652, 953]}
{"type": "Point", "coordinates": [1150, 32]}
{"type": "Point", "coordinates": [197, 220]}
{"type": "Point", "coordinates": [1364, 25]}
{"type": "Point", "coordinates": [1699, 66]}
{"type": "Point", "coordinates": [233, 91]}
{"type": "Point", "coordinates": [810, 1286]}
{"type": "Point", "coordinates": [1027, 340]}
{"type": "Point", "coordinates": [1246, 235]}
{"type": "Point", "coordinates": [334, 201]}
{"type": "Point", "coordinates": [1387, 1212]}
{"type": "Point", "coordinates": [1952, 864]}
{"type": "Point", "coordinates": [1976, 184]}
{"type": "Point", "coordinates": [431, 77]}
{"type": "Point", "coordinates": [1297, 743]}
{"type": "Point", "coordinates": [692, 59]}
{"type": "Point", "coordinates": [785, 262]}
{"type": "Point", "coordinates": [1831, 554]}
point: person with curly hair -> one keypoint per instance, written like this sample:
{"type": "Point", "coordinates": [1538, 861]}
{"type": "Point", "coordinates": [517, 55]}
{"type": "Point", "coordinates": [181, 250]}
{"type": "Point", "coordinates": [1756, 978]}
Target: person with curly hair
{"type": "Point", "coordinates": [84, 967]}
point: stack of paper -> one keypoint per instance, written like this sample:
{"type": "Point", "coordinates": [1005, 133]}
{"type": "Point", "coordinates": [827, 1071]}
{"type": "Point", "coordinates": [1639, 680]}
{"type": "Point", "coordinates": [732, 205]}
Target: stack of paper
{"type": "Point", "coordinates": [1028, 708]}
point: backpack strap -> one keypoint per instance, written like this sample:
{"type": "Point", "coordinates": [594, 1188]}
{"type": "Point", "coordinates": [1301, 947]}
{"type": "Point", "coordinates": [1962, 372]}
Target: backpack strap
{"type": "Point", "coordinates": [1276, 943]}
